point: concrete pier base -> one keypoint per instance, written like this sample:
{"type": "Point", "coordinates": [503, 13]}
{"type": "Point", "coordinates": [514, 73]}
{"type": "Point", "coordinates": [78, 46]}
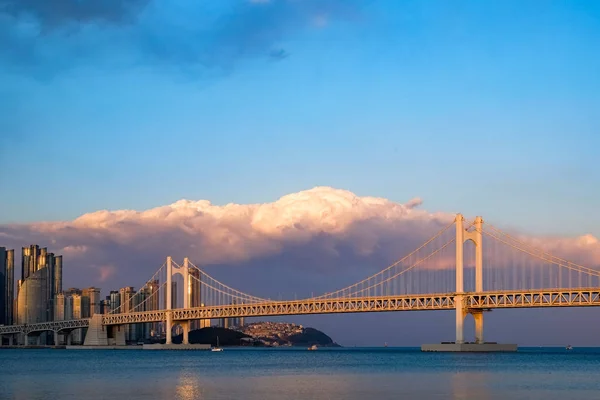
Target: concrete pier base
{"type": "Point", "coordinates": [96, 334]}
{"type": "Point", "coordinates": [470, 347]}
{"type": "Point", "coordinates": [103, 347]}
{"type": "Point", "coordinates": [176, 346]}
{"type": "Point", "coordinates": [118, 336]}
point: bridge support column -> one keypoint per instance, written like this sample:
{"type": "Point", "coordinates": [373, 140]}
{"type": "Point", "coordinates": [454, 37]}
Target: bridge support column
{"type": "Point", "coordinates": [478, 317]}
{"type": "Point", "coordinates": [187, 284]}
{"type": "Point", "coordinates": [169, 321]}
{"type": "Point", "coordinates": [459, 299]}
{"type": "Point", "coordinates": [169, 328]}
{"type": "Point", "coordinates": [460, 319]}
{"type": "Point", "coordinates": [459, 302]}
{"type": "Point", "coordinates": [119, 335]}
{"type": "Point", "coordinates": [38, 340]}
{"type": "Point", "coordinates": [11, 340]}
{"type": "Point", "coordinates": [96, 334]}
{"type": "Point", "coordinates": [185, 325]}
{"type": "Point", "coordinates": [56, 341]}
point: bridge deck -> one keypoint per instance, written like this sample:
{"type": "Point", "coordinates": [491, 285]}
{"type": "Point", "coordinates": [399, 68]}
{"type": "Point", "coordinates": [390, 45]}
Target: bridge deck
{"type": "Point", "coordinates": [583, 297]}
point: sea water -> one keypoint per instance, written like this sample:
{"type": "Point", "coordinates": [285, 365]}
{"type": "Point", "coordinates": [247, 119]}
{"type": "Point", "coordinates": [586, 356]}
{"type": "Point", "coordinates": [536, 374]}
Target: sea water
{"type": "Point", "coordinates": [277, 374]}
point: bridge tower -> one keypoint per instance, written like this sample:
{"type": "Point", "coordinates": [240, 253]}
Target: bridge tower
{"type": "Point", "coordinates": [462, 236]}
{"type": "Point", "coordinates": [184, 272]}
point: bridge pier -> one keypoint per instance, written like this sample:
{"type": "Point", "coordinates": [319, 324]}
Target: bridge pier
{"type": "Point", "coordinates": [185, 325]}
{"type": "Point", "coordinates": [56, 340]}
{"type": "Point", "coordinates": [462, 236]}
{"type": "Point", "coordinates": [96, 334]}
{"type": "Point", "coordinates": [460, 319]}
{"type": "Point", "coordinates": [169, 327]}
{"type": "Point", "coordinates": [119, 335]}
{"type": "Point", "coordinates": [478, 317]}
{"type": "Point", "coordinates": [184, 272]}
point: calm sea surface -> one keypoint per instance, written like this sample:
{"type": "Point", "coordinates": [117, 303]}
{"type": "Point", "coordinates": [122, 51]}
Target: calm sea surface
{"type": "Point", "coordinates": [277, 374]}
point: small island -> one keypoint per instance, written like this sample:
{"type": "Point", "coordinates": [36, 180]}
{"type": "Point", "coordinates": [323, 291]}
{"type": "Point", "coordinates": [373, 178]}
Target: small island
{"type": "Point", "coordinates": [260, 334]}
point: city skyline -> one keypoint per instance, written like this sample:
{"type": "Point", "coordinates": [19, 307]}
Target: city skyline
{"type": "Point", "coordinates": [40, 298]}
{"type": "Point", "coordinates": [293, 147]}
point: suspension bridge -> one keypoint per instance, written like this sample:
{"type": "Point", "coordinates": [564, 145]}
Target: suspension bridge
{"type": "Point", "coordinates": [453, 270]}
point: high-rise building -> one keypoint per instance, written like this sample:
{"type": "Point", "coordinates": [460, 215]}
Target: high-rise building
{"type": "Point", "coordinates": [72, 291]}
{"type": "Point", "coordinates": [59, 307]}
{"type": "Point", "coordinates": [153, 286]}
{"type": "Point", "coordinates": [143, 303]}
{"type": "Point", "coordinates": [7, 285]}
{"type": "Point", "coordinates": [194, 287]}
{"type": "Point", "coordinates": [115, 301]}
{"type": "Point", "coordinates": [194, 293]}
{"type": "Point", "coordinates": [173, 296]}
{"type": "Point", "coordinates": [41, 281]}
{"type": "Point", "coordinates": [152, 304]}
{"type": "Point", "coordinates": [33, 298]}
{"type": "Point", "coordinates": [78, 308]}
{"type": "Point", "coordinates": [68, 306]}
{"type": "Point", "coordinates": [127, 298]}
{"type": "Point", "coordinates": [28, 260]}
{"type": "Point", "coordinates": [92, 295]}
{"type": "Point", "coordinates": [58, 274]}
{"type": "Point", "coordinates": [70, 311]}
{"type": "Point", "coordinates": [85, 306]}
{"type": "Point", "coordinates": [105, 306]}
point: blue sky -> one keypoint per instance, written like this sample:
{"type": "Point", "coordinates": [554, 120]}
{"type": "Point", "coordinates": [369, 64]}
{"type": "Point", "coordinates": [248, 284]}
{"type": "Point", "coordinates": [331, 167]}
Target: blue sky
{"type": "Point", "coordinates": [480, 107]}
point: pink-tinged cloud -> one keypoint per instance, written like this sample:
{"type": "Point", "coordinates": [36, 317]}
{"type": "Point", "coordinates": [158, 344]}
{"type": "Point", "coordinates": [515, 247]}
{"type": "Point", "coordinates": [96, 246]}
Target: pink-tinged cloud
{"type": "Point", "coordinates": [106, 272]}
{"type": "Point", "coordinates": [301, 237]}
{"type": "Point", "coordinates": [73, 250]}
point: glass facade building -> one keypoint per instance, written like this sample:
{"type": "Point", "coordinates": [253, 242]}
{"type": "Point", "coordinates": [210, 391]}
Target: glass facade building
{"type": "Point", "coordinates": [33, 303]}
{"type": "Point", "coordinates": [41, 281]}
{"type": "Point", "coordinates": [7, 285]}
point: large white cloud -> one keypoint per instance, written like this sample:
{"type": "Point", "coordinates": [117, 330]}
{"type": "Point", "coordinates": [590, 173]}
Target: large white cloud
{"type": "Point", "coordinates": [322, 228]}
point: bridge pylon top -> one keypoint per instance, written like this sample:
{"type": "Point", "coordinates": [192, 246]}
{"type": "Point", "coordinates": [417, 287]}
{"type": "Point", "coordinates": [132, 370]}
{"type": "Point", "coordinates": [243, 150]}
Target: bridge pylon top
{"type": "Point", "coordinates": [460, 218]}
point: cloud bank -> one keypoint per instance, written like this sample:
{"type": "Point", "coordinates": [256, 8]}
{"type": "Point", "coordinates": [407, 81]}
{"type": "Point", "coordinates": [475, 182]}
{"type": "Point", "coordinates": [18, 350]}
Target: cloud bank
{"type": "Point", "coordinates": [309, 235]}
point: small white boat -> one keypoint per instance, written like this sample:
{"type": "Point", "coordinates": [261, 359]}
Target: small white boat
{"type": "Point", "coordinates": [216, 348]}
{"type": "Point", "coordinates": [569, 347]}
{"type": "Point", "coordinates": [313, 347]}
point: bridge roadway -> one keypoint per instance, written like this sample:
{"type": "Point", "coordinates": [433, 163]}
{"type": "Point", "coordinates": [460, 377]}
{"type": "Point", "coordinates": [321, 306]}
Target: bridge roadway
{"type": "Point", "coordinates": [581, 297]}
